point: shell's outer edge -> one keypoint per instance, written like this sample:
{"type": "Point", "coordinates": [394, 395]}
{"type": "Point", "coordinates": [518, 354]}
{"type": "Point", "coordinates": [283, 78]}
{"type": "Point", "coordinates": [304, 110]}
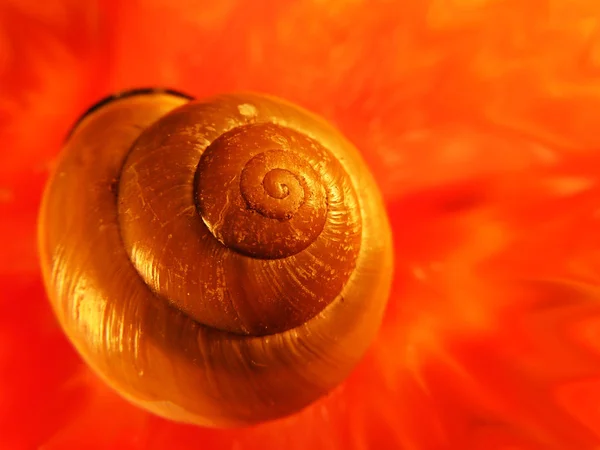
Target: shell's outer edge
{"type": "Point", "coordinates": [121, 95]}
{"type": "Point", "coordinates": [154, 355]}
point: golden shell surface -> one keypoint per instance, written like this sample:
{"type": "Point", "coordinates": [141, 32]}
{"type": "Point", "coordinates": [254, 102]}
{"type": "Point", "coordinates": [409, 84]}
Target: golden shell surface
{"type": "Point", "coordinates": [188, 289]}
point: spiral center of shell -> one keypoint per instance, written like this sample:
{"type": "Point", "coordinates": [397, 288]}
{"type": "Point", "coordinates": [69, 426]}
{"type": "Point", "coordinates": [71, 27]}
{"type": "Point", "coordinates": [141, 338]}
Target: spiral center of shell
{"type": "Point", "coordinates": [274, 192]}
{"type": "Point", "coordinates": [274, 183]}
{"type": "Point", "coordinates": [259, 193]}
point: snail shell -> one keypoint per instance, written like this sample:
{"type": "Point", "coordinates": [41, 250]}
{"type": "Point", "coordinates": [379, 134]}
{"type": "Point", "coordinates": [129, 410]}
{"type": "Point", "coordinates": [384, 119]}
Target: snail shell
{"type": "Point", "coordinates": [220, 262]}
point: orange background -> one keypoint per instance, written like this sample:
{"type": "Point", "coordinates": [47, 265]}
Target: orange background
{"type": "Point", "coordinates": [480, 120]}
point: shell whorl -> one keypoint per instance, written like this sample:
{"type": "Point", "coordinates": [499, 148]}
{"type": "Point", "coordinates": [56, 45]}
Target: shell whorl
{"type": "Point", "coordinates": [223, 262]}
{"type": "Point", "coordinates": [274, 210]}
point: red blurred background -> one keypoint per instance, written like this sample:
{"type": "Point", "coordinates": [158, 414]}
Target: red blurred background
{"type": "Point", "coordinates": [479, 119]}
